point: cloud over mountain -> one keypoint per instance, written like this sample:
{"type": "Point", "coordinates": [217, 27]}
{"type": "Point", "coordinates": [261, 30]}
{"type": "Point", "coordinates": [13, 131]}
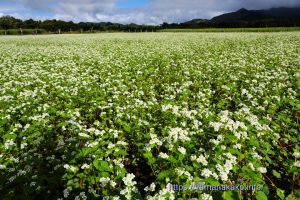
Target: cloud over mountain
{"type": "Point", "coordinates": [152, 12]}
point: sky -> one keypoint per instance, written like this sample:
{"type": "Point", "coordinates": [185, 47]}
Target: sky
{"type": "Point", "coordinates": [151, 12]}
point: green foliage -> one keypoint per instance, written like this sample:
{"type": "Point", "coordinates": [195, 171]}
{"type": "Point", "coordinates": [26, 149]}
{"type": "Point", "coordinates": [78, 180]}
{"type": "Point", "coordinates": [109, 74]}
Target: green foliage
{"type": "Point", "coordinates": [126, 115]}
{"type": "Point", "coordinates": [269, 29]}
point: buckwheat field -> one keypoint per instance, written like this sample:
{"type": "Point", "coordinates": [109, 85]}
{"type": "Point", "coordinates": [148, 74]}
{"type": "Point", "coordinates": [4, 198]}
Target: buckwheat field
{"type": "Point", "coordinates": [133, 116]}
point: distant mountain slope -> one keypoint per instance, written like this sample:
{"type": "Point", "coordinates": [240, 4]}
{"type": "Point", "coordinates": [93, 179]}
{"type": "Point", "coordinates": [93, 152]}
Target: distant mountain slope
{"type": "Point", "coordinates": [240, 15]}
{"type": "Point", "coordinates": [195, 21]}
{"type": "Point", "coordinates": [255, 15]}
{"type": "Point", "coordinates": [282, 13]}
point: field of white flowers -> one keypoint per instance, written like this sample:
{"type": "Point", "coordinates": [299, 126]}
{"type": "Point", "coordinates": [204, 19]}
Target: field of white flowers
{"type": "Point", "coordinates": [123, 116]}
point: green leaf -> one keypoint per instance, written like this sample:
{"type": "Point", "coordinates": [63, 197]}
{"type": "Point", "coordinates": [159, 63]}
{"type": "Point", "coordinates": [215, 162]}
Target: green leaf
{"type": "Point", "coordinates": [102, 166]}
{"type": "Point", "coordinates": [254, 142]}
{"type": "Point", "coordinates": [212, 181]}
{"type": "Point", "coordinates": [164, 174]}
{"type": "Point", "coordinates": [276, 174]}
{"type": "Point", "coordinates": [261, 196]}
{"type": "Point", "coordinates": [122, 173]}
{"type": "Point", "coordinates": [104, 174]}
{"type": "Point", "coordinates": [149, 156]}
{"type": "Point", "coordinates": [268, 159]}
{"type": "Point", "coordinates": [172, 159]}
{"type": "Point", "coordinates": [227, 195]}
{"type": "Point", "coordinates": [92, 180]}
{"type": "Point", "coordinates": [280, 193]}
{"type": "Point", "coordinates": [127, 128]}
{"type": "Point", "coordinates": [121, 152]}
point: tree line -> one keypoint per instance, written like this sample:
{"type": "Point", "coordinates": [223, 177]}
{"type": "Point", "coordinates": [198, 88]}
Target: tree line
{"type": "Point", "coordinates": [60, 26]}
{"type": "Point", "coordinates": [11, 25]}
{"type": "Point", "coordinates": [233, 24]}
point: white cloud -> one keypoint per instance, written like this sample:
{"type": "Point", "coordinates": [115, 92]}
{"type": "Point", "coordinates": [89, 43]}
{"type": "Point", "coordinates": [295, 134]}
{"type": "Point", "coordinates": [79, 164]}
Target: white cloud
{"type": "Point", "coordinates": [156, 12]}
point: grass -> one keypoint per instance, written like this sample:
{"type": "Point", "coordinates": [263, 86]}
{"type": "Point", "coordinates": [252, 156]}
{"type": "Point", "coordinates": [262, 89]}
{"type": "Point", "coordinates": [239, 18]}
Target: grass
{"type": "Point", "coordinates": [269, 29]}
{"type": "Point", "coordinates": [24, 31]}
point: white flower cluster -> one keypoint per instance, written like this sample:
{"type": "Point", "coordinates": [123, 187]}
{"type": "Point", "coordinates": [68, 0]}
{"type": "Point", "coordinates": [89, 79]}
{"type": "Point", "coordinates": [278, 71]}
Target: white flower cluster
{"type": "Point", "coordinates": [128, 180]}
{"type": "Point", "coordinates": [8, 143]}
{"type": "Point", "coordinates": [176, 134]}
{"type": "Point", "coordinates": [173, 108]}
{"type": "Point", "coordinates": [67, 191]}
{"type": "Point", "coordinates": [163, 155]}
{"type": "Point", "coordinates": [182, 150]}
{"type": "Point", "coordinates": [201, 159]}
{"type": "Point", "coordinates": [88, 99]}
{"type": "Point", "coordinates": [206, 197]}
{"type": "Point", "coordinates": [296, 154]}
{"type": "Point", "coordinates": [225, 169]}
{"type": "Point", "coordinates": [181, 171]}
{"type": "Point", "coordinates": [262, 170]}
{"type": "Point", "coordinates": [81, 196]}
{"type": "Point", "coordinates": [155, 140]}
{"type": "Point", "coordinates": [84, 135]}
{"type": "Point", "coordinates": [150, 188]}
{"type": "Point", "coordinates": [104, 180]}
{"type": "Point", "coordinates": [85, 166]}
{"type": "Point", "coordinates": [70, 167]}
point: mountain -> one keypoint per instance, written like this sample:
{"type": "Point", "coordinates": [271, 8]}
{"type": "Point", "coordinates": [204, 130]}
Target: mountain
{"type": "Point", "coordinates": [241, 15]}
{"type": "Point", "coordinates": [195, 21]}
{"type": "Point", "coordinates": [281, 13]}
{"type": "Point", "coordinates": [256, 15]}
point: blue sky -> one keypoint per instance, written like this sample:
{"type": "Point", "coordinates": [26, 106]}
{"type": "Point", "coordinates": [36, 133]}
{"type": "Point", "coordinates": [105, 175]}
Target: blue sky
{"type": "Point", "coordinates": [132, 3]}
{"type": "Point", "coordinates": [131, 11]}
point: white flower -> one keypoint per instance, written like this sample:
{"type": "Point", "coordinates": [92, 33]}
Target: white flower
{"type": "Point", "coordinates": [110, 146]}
{"type": "Point", "coordinates": [216, 125]}
{"type": "Point", "coordinates": [297, 164]}
{"type": "Point", "coordinates": [150, 188]}
{"type": "Point", "coordinates": [163, 155]}
{"type": "Point", "coordinates": [67, 191]}
{"type": "Point", "coordinates": [251, 166]}
{"type": "Point", "coordinates": [296, 154]}
{"type": "Point", "coordinates": [77, 114]}
{"type": "Point", "coordinates": [128, 180]}
{"type": "Point", "coordinates": [155, 140]}
{"type": "Point", "coordinates": [72, 168]}
{"type": "Point", "coordinates": [206, 197]}
{"type": "Point", "coordinates": [223, 176]}
{"type": "Point", "coordinates": [26, 127]}
{"type": "Point", "coordinates": [97, 132]}
{"type": "Point", "coordinates": [182, 150]}
{"type": "Point", "coordinates": [85, 166]}
{"type": "Point", "coordinates": [237, 146]}
{"type": "Point", "coordinates": [178, 134]}
{"type": "Point", "coordinates": [113, 183]}
{"type": "Point", "coordinates": [262, 170]}
{"type": "Point", "coordinates": [92, 144]}
{"type": "Point", "coordinates": [66, 166]}
{"type": "Point", "coordinates": [201, 159]}
{"type": "Point", "coordinates": [32, 184]}
{"type": "Point", "coordinates": [193, 157]}
{"type": "Point", "coordinates": [206, 173]}
{"type": "Point", "coordinates": [8, 143]}
{"type": "Point", "coordinates": [104, 181]}
{"type": "Point", "coordinates": [84, 135]}
{"type": "Point", "coordinates": [23, 145]}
